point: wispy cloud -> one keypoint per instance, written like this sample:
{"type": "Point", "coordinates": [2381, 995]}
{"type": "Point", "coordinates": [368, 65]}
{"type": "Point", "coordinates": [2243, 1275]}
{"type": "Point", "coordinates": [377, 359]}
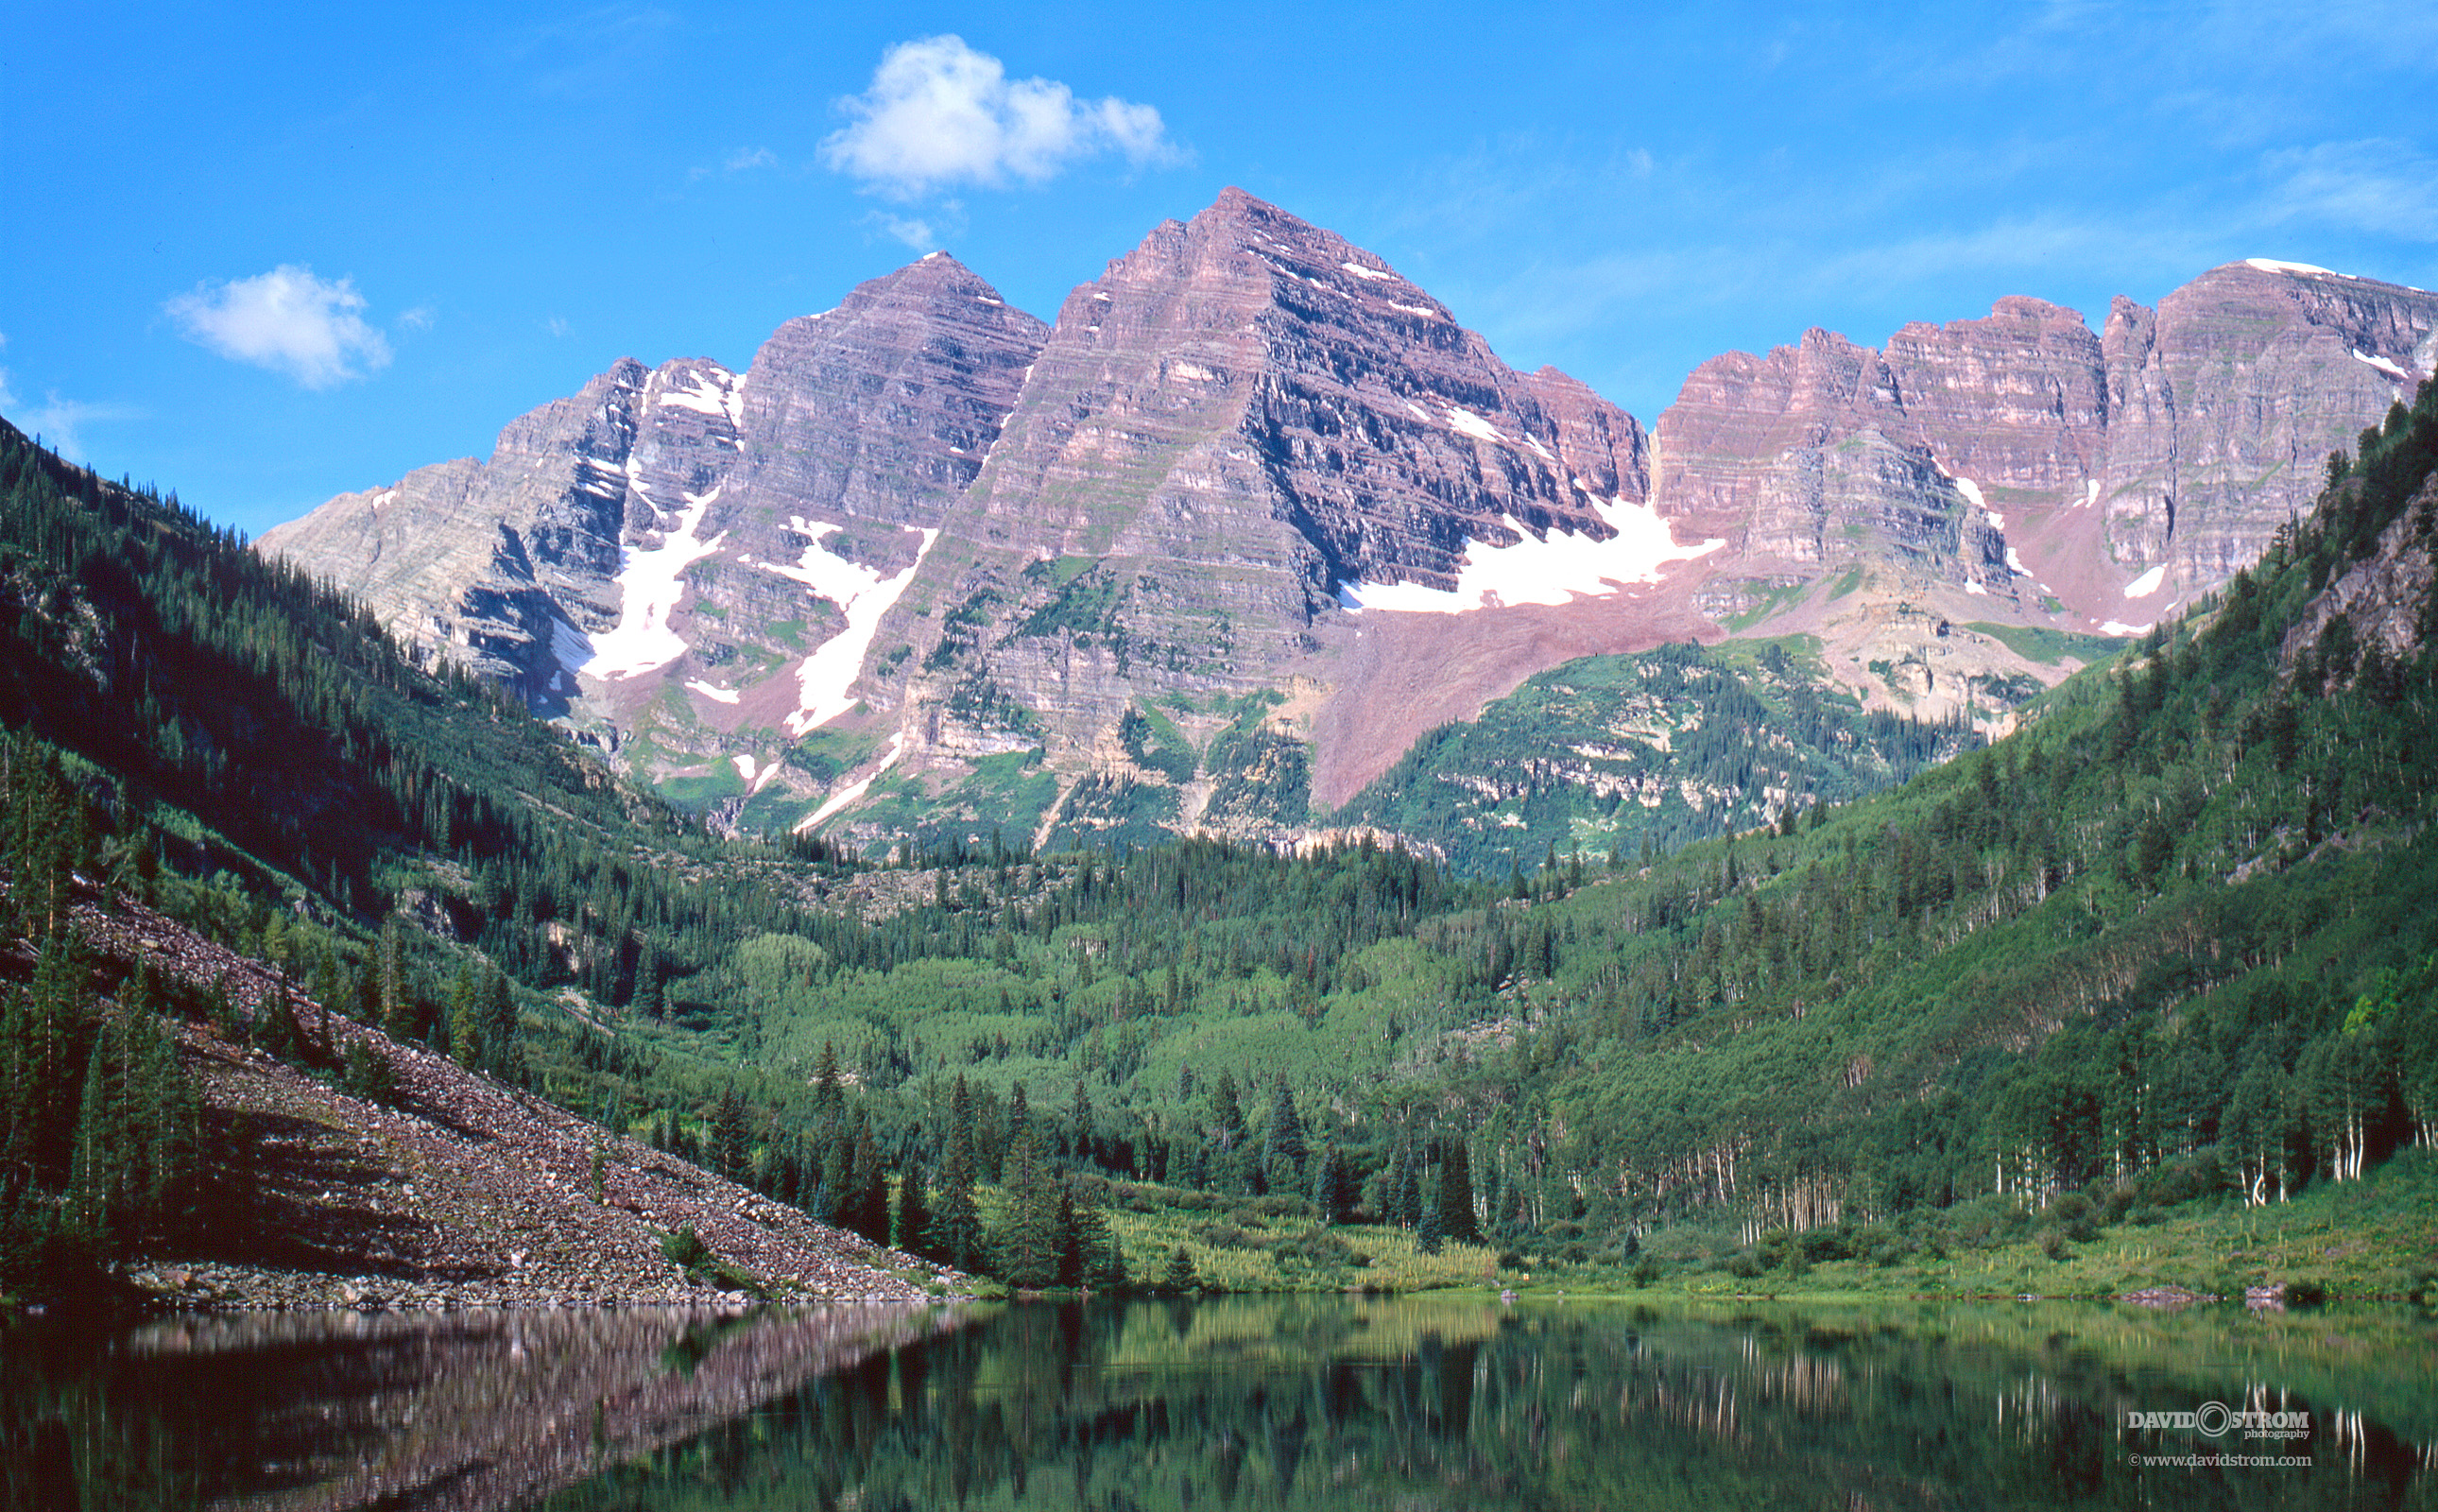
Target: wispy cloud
{"type": "Point", "coordinates": [417, 319]}
{"type": "Point", "coordinates": [288, 320]}
{"type": "Point", "coordinates": [913, 230]}
{"type": "Point", "coordinates": [940, 113]}
{"type": "Point", "coordinates": [2379, 186]}
{"type": "Point", "coordinates": [743, 160]}
{"type": "Point", "coordinates": [59, 423]}
{"type": "Point", "coordinates": [592, 53]}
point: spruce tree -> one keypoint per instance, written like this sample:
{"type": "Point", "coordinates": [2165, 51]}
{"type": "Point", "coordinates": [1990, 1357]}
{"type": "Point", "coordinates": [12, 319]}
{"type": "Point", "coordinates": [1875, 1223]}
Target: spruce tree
{"type": "Point", "coordinates": [1179, 1279]}
{"type": "Point", "coordinates": [954, 1236]}
{"type": "Point", "coordinates": [1406, 1187]}
{"type": "Point", "coordinates": [1332, 1186]}
{"type": "Point", "coordinates": [397, 1003]}
{"type": "Point", "coordinates": [1457, 1219]}
{"type": "Point", "coordinates": [914, 1219]}
{"type": "Point", "coordinates": [868, 1181]}
{"type": "Point", "coordinates": [502, 1057]}
{"type": "Point", "coordinates": [1282, 1142]}
{"type": "Point", "coordinates": [465, 1019]}
{"type": "Point", "coordinates": [1028, 1244]}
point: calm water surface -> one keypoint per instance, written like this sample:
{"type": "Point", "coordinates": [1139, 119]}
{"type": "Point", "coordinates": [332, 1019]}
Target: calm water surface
{"type": "Point", "coordinates": [1252, 1403]}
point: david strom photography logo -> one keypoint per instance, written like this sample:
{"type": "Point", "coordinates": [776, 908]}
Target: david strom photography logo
{"type": "Point", "coordinates": [2216, 1420]}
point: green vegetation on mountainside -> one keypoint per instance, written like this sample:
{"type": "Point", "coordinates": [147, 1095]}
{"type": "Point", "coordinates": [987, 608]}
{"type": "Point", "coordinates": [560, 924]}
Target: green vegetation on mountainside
{"type": "Point", "coordinates": [2175, 942]}
{"type": "Point", "coordinates": [1623, 756]}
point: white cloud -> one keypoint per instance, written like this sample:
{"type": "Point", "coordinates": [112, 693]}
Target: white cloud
{"type": "Point", "coordinates": [417, 319]}
{"type": "Point", "coordinates": [58, 423]}
{"type": "Point", "coordinates": [744, 158]}
{"type": "Point", "coordinates": [940, 113]}
{"type": "Point", "coordinates": [286, 320]}
{"type": "Point", "coordinates": [2378, 185]}
{"type": "Point", "coordinates": [913, 230]}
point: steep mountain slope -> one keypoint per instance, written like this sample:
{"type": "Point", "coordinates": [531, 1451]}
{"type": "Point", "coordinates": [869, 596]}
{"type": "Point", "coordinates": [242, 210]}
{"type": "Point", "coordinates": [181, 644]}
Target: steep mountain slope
{"type": "Point", "coordinates": [2022, 469]}
{"type": "Point", "coordinates": [1256, 514]}
{"type": "Point", "coordinates": [681, 535]}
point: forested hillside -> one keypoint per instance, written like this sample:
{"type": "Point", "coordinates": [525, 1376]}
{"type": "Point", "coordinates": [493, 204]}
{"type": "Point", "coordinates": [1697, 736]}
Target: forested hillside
{"type": "Point", "coordinates": [2171, 942]}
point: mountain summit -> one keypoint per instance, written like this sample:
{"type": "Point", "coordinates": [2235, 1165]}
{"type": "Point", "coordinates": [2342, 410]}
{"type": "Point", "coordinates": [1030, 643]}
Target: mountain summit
{"type": "Point", "coordinates": [1256, 513]}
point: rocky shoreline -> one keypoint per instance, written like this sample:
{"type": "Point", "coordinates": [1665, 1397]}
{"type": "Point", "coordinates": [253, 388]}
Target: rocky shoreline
{"type": "Point", "coordinates": [460, 1192]}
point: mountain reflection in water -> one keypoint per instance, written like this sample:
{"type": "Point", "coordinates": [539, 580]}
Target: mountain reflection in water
{"type": "Point", "coordinates": [1289, 1402]}
{"type": "Point", "coordinates": [304, 1412]}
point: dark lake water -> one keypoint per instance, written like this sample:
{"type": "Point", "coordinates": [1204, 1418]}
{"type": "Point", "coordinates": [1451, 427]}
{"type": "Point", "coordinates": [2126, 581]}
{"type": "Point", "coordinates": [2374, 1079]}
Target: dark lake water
{"type": "Point", "coordinates": [1250, 1403]}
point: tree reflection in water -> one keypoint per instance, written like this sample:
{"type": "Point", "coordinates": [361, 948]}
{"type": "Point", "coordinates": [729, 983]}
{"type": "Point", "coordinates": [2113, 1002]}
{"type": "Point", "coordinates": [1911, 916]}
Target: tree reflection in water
{"type": "Point", "coordinates": [1296, 1402]}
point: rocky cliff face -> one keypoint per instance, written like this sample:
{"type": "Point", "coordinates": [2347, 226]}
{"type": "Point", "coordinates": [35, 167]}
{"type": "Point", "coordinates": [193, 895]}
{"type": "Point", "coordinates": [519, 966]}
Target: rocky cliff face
{"type": "Point", "coordinates": [2021, 469]}
{"type": "Point", "coordinates": [2196, 430]}
{"type": "Point", "coordinates": [1256, 512]}
{"type": "Point", "coordinates": [2226, 402]}
{"type": "Point", "coordinates": [687, 527]}
{"type": "Point", "coordinates": [1245, 424]}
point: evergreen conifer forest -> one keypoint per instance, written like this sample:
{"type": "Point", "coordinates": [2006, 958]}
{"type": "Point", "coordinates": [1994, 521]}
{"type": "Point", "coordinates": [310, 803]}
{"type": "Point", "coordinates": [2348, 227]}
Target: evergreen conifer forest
{"type": "Point", "coordinates": [2164, 957]}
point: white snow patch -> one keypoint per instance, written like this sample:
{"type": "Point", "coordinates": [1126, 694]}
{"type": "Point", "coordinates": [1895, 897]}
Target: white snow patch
{"type": "Point", "coordinates": [1972, 586]}
{"type": "Point", "coordinates": [2090, 494]}
{"type": "Point", "coordinates": [857, 790]}
{"type": "Point", "coordinates": [1195, 371]}
{"type": "Point", "coordinates": [704, 394]}
{"type": "Point", "coordinates": [1534, 442]}
{"type": "Point", "coordinates": [2148, 584]}
{"type": "Point", "coordinates": [744, 767]}
{"type": "Point", "coordinates": [2015, 564]}
{"type": "Point", "coordinates": [1970, 490]}
{"type": "Point", "coordinates": [2385, 367]}
{"type": "Point", "coordinates": [2270, 265]}
{"type": "Point", "coordinates": [985, 299]}
{"type": "Point", "coordinates": [1460, 418]}
{"type": "Point", "coordinates": [1553, 571]}
{"type": "Point", "coordinates": [1420, 413]}
{"type": "Point", "coordinates": [569, 646]}
{"type": "Point", "coordinates": [828, 675]}
{"type": "Point", "coordinates": [718, 695]}
{"type": "Point", "coordinates": [1361, 272]}
{"type": "Point", "coordinates": [1415, 309]}
{"type": "Point", "coordinates": [382, 498]}
{"type": "Point", "coordinates": [650, 584]}
{"type": "Point", "coordinates": [2120, 627]}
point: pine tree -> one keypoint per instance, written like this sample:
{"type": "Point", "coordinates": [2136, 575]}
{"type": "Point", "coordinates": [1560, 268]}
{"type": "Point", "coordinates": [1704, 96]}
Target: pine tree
{"type": "Point", "coordinates": [465, 1019]}
{"type": "Point", "coordinates": [1282, 1142]}
{"type": "Point", "coordinates": [647, 1001]}
{"type": "Point", "coordinates": [1406, 1187]}
{"type": "Point", "coordinates": [731, 1134]}
{"type": "Point", "coordinates": [913, 1214]}
{"type": "Point", "coordinates": [1456, 1220]}
{"type": "Point", "coordinates": [496, 1027]}
{"type": "Point", "coordinates": [1028, 1244]}
{"type": "Point", "coordinates": [868, 1187]}
{"type": "Point", "coordinates": [954, 1236]}
{"type": "Point", "coordinates": [398, 1005]}
{"type": "Point", "coordinates": [1179, 1279]}
{"type": "Point", "coordinates": [1332, 1186]}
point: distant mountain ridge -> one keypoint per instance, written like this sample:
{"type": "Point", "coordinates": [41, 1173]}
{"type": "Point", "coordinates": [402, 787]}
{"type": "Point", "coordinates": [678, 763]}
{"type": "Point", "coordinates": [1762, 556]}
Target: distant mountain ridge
{"type": "Point", "coordinates": [1213, 549]}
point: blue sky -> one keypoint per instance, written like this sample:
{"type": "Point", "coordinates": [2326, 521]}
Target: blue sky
{"type": "Point", "coordinates": [260, 253]}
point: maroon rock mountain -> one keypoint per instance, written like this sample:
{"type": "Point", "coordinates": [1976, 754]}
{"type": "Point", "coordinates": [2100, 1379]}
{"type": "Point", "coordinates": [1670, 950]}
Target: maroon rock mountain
{"type": "Point", "coordinates": [1256, 512]}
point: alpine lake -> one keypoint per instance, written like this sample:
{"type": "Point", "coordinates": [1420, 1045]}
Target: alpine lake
{"type": "Point", "coordinates": [1432, 1402]}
